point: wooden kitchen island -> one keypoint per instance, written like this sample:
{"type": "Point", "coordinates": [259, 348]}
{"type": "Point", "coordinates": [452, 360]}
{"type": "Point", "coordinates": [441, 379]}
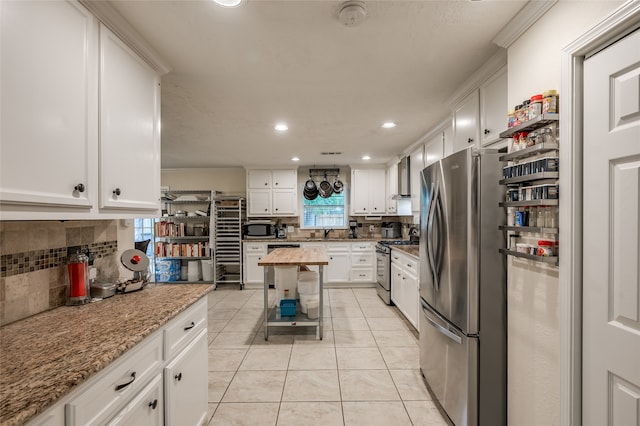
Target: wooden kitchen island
{"type": "Point", "coordinates": [285, 257]}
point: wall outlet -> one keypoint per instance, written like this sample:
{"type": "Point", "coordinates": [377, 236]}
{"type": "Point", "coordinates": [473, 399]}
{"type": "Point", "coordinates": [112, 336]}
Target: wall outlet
{"type": "Point", "coordinates": [371, 228]}
{"type": "Point", "coordinates": [290, 229]}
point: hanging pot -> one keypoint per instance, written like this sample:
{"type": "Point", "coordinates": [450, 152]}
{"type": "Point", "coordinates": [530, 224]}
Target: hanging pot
{"type": "Point", "coordinates": [326, 189]}
{"type": "Point", "coordinates": [310, 184]}
{"type": "Point", "coordinates": [338, 186]}
{"type": "Point", "coordinates": [310, 194]}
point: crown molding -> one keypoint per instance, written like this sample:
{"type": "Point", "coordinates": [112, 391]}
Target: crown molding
{"type": "Point", "coordinates": [490, 67]}
{"type": "Point", "coordinates": [111, 18]}
{"type": "Point", "coordinates": [524, 19]}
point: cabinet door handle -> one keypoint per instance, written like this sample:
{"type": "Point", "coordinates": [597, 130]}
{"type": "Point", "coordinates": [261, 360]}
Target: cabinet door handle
{"type": "Point", "coordinates": [79, 187]}
{"type": "Point", "coordinates": [124, 385]}
{"type": "Point", "coordinates": [178, 376]}
{"type": "Point", "coordinates": [276, 209]}
{"type": "Point", "coordinates": [470, 140]}
{"type": "Point", "coordinates": [189, 327]}
{"type": "Point", "coordinates": [117, 191]}
{"type": "Point", "coordinates": [266, 184]}
{"type": "Point", "coordinates": [487, 131]}
{"type": "Point", "coordinates": [276, 183]}
{"type": "Point", "coordinates": [153, 404]}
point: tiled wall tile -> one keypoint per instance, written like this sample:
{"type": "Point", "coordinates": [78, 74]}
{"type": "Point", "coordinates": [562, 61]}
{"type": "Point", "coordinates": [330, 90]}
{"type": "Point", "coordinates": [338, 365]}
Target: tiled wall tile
{"type": "Point", "coordinates": [33, 256]}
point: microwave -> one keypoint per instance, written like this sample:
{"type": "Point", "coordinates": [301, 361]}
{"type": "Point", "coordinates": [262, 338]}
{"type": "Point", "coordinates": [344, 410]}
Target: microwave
{"type": "Point", "coordinates": [259, 229]}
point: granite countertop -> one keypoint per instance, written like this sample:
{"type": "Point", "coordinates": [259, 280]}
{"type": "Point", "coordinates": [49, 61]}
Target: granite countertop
{"type": "Point", "coordinates": [412, 250]}
{"type": "Point", "coordinates": [309, 240]}
{"type": "Point", "coordinates": [46, 356]}
{"type": "Point", "coordinates": [295, 256]}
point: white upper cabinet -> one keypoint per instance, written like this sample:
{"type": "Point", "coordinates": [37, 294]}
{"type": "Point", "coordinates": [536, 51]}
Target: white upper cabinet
{"type": "Point", "coordinates": [49, 105]}
{"type": "Point", "coordinates": [434, 149]}
{"type": "Point", "coordinates": [368, 192]}
{"type": "Point", "coordinates": [272, 192]}
{"type": "Point", "coordinates": [80, 118]}
{"type": "Point", "coordinates": [392, 189]}
{"type": "Point", "coordinates": [129, 128]}
{"type": "Point", "coordinates": [417, 164]}
{"type": "Point", "coordinates": [465, 122]}
{"type": "Point", "coordinates": [493, 107]}
{"type": "Point", "coordinates": [284, 179]}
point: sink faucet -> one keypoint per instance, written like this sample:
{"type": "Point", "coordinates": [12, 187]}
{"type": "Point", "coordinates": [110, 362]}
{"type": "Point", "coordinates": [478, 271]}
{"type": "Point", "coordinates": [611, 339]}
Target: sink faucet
{"type": "Point", "coordinates": [326, 232]}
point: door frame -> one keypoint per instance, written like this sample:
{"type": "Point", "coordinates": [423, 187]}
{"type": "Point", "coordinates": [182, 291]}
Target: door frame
{"type": "Point", "coordinates": [619, 23]}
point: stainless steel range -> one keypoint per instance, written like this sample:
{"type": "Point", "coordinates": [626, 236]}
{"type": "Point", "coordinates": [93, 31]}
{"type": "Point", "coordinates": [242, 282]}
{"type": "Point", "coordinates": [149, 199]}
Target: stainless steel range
{"type": "Point", "coordinates": [383, 266]}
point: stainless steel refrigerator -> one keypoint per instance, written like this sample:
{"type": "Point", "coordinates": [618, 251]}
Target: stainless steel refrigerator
{"type": "Point", "coordinates": [463, 287]}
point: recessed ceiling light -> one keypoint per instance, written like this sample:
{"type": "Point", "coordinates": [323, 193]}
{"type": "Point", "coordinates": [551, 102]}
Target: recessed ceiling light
{"type": "Point", "coordinates": [281, 127]}
{"type": "Point", "coordinates": [366, 157]}
{"type": "Point", "coordinates": [228, 3]}
{"type": "Point", "coordinates": [389, 125]}
{"type": "Point", "coordinates": [295, 159]}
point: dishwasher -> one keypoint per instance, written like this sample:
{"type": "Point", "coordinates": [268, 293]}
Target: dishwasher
{"type": "Point", "coordinates": [271, 281]}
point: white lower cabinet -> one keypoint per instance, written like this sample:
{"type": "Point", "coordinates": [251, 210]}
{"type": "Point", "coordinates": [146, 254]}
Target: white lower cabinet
{"type": "Point", "coordinates": [337, 271]}
{"type": "Point", "coordinates": [253, 253]}
{"type": "Point", "coordinates": [146, 409]}
{"type": "Point", "coordinates": [186, 385]}
{"type": "Point", "coordinates": [160, 381]}
{"type": "Point", "coordinates": [349, 262]}
{"type": "Point", "coordinates": [362, 262]}
{"type": "Point", "coordinates": [117, 384]}
{"type": "Point", "coordinates": [405, 291]}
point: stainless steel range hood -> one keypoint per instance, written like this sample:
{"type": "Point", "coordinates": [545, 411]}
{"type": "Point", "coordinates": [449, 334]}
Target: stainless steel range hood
{"type": "Point", "coordinates": [404, 179]}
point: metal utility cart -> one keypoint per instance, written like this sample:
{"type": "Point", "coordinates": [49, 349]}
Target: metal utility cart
{"type": "Point", "coordinates": [293, 257]}
{"type": "Point", "coordinates": [229, 215]}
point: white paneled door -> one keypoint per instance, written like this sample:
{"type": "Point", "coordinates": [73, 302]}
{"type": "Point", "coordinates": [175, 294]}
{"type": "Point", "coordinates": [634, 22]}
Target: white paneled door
{"type": "Point", "coordinates": [611, 244]}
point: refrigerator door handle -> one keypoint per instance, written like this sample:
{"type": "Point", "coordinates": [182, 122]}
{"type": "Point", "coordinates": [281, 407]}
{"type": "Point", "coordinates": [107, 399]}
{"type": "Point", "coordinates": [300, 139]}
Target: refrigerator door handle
{"type": "Point", "coordinates": [431, 217]}
{"type": "Point", "coordinates": [438, 327]}
{"type": "Point", "coordinates": [440, 227]}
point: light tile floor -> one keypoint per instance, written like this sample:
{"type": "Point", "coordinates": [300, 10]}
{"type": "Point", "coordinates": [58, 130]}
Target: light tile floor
{"type": "Point", "coordinates": [364, 372]}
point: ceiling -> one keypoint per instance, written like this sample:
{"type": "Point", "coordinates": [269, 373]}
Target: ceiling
{"type": "Point", "coordinates": [236, 72]}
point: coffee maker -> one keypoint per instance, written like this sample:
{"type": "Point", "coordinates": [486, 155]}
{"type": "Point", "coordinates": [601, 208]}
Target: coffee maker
{"type": "Point", "coordinates": [353, 224]}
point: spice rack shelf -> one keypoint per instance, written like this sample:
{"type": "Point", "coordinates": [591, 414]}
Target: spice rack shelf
{"type": "Point", "coordinates": [183, 257]}
{"type": "Point", "coordinates": [530, 177]}
{"type": "Point", "coordinates": [539, 178]}
{"type": "Point", "coordinates": [530, 151]}
{"type": "Point", "coordinates": [536, 123]}
{"type": "Point", "coordinates": [544, 259]}
{"type": "Point", "coordinates": [531, 229]}
{"type": "Point", "coordinates": [528, 203]}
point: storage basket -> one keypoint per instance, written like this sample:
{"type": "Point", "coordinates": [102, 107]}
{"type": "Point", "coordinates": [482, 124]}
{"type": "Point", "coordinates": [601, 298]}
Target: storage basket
{"type": "Point", "coordinates": [288, 307]}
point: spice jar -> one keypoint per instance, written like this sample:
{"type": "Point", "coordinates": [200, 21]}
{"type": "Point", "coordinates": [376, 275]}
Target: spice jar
{"type": "Point", "coordinates": [545, 135]}
{"type": "Point", "coordinates": [532, 139]}
{"type": "Point", "coordinates": [525, 110]}
{"type": "Point", "coordinates": [549, 101]}
{"type": "Point", "coordinates": [535, 106]}
{"type": "Point", "coordinates": [518, 116]}
{"type": "Point", "coordinates": [523, 140]}
{"type": "Point", "coordinates": [545, 248]}
{"type": "Point", "coordinates": [511, 118]}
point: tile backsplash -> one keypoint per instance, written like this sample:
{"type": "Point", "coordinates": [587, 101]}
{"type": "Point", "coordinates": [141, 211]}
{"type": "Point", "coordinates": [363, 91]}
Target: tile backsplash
{"type": "Point", "coordinates": [33, 256]}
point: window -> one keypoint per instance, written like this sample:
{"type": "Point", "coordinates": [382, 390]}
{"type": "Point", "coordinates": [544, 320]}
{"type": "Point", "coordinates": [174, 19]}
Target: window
{"type": "Point", "coordinates": [143, 230]}
{"type": "Point", "coordinates": [324, 212]}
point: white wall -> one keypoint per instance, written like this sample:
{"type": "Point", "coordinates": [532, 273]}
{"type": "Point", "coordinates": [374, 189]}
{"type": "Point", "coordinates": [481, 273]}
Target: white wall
{"type": "Point", "coordinates": [533, 338]}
